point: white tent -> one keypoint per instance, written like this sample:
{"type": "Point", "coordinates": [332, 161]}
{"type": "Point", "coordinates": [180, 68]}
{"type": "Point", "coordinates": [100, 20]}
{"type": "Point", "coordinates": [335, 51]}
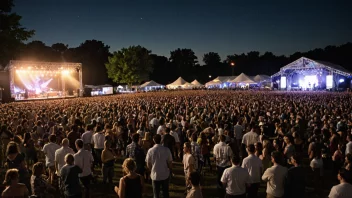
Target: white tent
{"type": "Point", "coordinates": [195, 83]}
{"type": "Point", "coordinates": [220, 80]}
{"type": "Point", "coordinates": [261, 78]}
{"type": "Point", "coordinates": [151, 84]}
{"type": "Point", "coordinates": [243, 78]}
{"type": "Point", "coordinates": [179, 83]}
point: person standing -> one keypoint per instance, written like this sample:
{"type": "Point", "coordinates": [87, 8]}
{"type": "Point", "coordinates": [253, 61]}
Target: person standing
{"type": "Point", "coordinates": [13, 187]}
{"type": "Point", "coordinates": [238, 133]}
{"type": "Point", "coordinates": [69, 174]}
{"type": "Point", "coordinates": [275, 177]}
{"type": "Point", "coordinates": [344, 189]}
{"type": "Point", "coordinates": [159, 161]}
{"type": "Point", "coordinates": [295, 182]}
{"type": "Point", "coordinates": [84, 160]}
{"type": "Point", "coordinates": [108, 158]}
{"type": "Point", "coordinates": [255, 169]}
{"type": "Point", "coordinates": [168, 141]}
{"type": "Point", "coordinates": [60, 155]}
{"type": "Point", "coordinates": [196, 191]}
{"type": "Point", "coordinates": [131, 185]}
{"type": "Point", "coordinates": [222, 156]}
{"type": "Point", "coordinates": [188, 162]}
{"type": "Point", "coordinates": [136, 152]}
{"type": "Point", "coordinates": [49, 151]}
{"type": "Point", "coordinates": [249, 138]}
{"type": "Point", "coordinates": [98, 144]}
{"type": "Point", "coordinates": [235, 179]}
{"type": "Point", "coordinates": [87, 137]}
{"type": "Point", "coordinates": [349, 144]}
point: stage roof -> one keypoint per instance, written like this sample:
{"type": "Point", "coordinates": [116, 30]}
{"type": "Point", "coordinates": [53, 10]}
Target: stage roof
{"type": "Point", "coordinates": [304, 63]}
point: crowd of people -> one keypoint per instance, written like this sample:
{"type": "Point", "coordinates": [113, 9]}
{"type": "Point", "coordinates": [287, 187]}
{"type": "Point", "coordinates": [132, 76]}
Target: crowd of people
{"type": "Point", "coordinates": [292, 141]}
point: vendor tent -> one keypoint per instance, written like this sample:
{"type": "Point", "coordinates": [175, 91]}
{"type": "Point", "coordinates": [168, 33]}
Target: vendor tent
{"type": "Point", "coordinates": [195, 83]}
{"type": "Point", "coordinates": [151, 84]}
{"type": "Point", "coordinates": [179, 83]}
{"type": "Point", "coordinates": [243, 78]}
{"type": "Point", "coordinates": [261, 78]}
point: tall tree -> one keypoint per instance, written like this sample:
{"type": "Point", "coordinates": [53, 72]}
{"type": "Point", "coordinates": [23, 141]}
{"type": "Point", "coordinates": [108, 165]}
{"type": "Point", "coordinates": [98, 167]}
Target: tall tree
{"type": "Point", "coordinates": [12, 34]}
{"type": "Point", "coordinates": [183, 61]}
{"type": "Point", "coordinates": [160, 69]}
{"type": "Point", "coordinates": [130, 65]}
{"type": "Point", "coordinates": [59, 47]}
{"type": "Point", "coordinates": [211, 58]}
{"type": "Point", "coordinates": [93, 55]}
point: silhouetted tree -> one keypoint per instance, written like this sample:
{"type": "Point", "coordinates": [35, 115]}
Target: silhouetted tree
{"type": "Point", "coordinates": [93, 55]}
{"type": "Point", "coordinates": [130, 65]}
{"type": "Point", "coordinates": [59, 47]}
{"type": "Point", "coordinates": [161, 70]}
{"type": "Point", "coordinates": [12, 34]}
{"type": "Point", "coordinates": [183, 62]}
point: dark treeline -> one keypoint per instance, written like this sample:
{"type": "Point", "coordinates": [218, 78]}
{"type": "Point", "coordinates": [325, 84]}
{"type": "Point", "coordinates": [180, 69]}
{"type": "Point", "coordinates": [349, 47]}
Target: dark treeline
{"type": "Point", "coordinates": [94, 55]}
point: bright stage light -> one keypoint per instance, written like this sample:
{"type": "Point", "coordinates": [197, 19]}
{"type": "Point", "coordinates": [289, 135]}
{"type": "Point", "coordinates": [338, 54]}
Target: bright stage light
{"type": "Point", "coordinates": [283, 82]}
{"type": "Point", "coordinates": [65, 72]}
{"type": "Point", "coordinates": [329, 81]}
{"type": "Point", "coordinates": [341, 80]}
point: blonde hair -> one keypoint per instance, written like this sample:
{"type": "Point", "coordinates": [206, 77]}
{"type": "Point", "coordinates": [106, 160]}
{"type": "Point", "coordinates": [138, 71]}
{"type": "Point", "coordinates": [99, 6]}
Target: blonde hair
{"type": "Point", "coordinates": [129, 165]}
{"type": "Point", "coordinates": [11, 174]}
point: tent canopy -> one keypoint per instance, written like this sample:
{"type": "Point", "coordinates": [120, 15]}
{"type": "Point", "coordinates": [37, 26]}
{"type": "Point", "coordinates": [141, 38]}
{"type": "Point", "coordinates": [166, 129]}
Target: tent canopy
{"type": "Point", "coordinates": [179, 82]}
{"type": "Point", "coordinates": [196, 83]}
{"type": "Point", "coordinates": [243, 78]}
{"type": "Point", "coordinates": [261, 78]}
{"type": "Point", "coordinates": [304, 63]}
{"type": "Point", "coordinates": [151, 84]}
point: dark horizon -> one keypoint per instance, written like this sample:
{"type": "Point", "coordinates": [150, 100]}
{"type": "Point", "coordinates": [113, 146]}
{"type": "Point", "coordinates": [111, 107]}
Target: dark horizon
{"type": "Point", "coordinates": [224, 27]}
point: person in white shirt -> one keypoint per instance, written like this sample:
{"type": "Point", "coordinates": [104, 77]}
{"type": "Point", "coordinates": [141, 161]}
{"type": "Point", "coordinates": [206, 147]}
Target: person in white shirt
{"type": "Point", "coordinates": [344, 189]}
{"type": "Point", "coordinates": [60, 155]}
{"type": "Point", "coordinates": [49, 150]}
{"type": "Point", "coordinates": [235, 179]}
{"type": "Point", "coordinates": [98, 140]}
{"type": "Point", "coordinates": [249, 138]}
{"type": "Point", "coordinates": [188, 162]}
{"type": "Point", "coordinates": [222, 155]}
{"type": "Point", "coordinates": [275, 177]}
{"type": "Point", "coordinates": [349, 144]}
{"type": "Point", "coordinates": [159, 161]}
{"type": "Point", "coordinates": [87, 137]}
{"type": "Point", "coordinates": [255, 168]}
{"type": "Point", "coordinates": [84, 160]}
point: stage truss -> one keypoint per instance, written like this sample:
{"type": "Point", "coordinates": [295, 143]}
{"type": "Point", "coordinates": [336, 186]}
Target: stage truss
{"type": "Point", "coordinates": [48, 66]}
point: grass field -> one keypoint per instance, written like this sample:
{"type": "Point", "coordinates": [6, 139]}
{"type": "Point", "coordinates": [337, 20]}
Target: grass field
{"type": "Point", "coordinates": [177, 184]}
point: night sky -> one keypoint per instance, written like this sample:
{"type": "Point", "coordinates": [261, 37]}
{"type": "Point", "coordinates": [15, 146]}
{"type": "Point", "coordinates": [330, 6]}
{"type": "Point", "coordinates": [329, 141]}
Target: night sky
{"type": "Point", "coordinates": [225, 27]}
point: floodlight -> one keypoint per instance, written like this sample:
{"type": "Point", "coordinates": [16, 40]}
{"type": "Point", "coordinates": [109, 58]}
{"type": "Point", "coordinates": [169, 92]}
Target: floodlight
{"type": "Point", "coordinates": [342, 80]}
{"type": "Point", "coordinates": [65, 72]}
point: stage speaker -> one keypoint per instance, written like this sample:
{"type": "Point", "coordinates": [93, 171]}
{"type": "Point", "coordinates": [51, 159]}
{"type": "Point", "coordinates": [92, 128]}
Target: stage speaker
{"type": "Point", "coordinates": [87, 92]}
{"type": "Point", "coordinates": [70, 92]}
{"type": "Point", "coordinates": [78, 93]}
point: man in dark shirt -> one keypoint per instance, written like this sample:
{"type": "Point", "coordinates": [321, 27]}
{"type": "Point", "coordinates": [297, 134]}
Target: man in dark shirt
{"type": "Point", "coordinates": [295, 183]}
{"type": "Point", "coordinates": [169, 141]}
{"type": "Point", "coordinates": [70, 179]}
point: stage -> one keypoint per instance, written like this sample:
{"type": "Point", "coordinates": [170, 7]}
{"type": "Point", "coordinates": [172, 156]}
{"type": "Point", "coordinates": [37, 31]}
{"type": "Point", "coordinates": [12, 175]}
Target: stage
{"type": "Point", "coordinates": [31, 80]}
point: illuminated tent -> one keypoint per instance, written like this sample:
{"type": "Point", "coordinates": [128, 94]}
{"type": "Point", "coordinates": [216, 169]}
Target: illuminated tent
{"type": "Point", "coordinates": [151, 84]}
{"type": "Point", "coordinates": [243, 78]}
{"type": "Point", "coordinates": [219, 81]}
{"type": "Point", "coordinates": [179, 83]}
{"type": "Point", "coordinates": [195, 83]}
{"type": "Point", "coordinates": [261, 78]}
